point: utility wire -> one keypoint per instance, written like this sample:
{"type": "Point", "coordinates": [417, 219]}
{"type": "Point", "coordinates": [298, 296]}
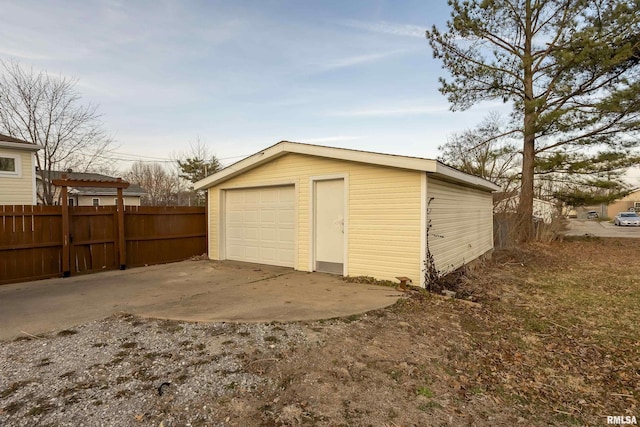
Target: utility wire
{"type": "Point", "coordinates": [152, 159]}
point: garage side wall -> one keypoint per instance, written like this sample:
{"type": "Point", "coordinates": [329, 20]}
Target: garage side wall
{"type": "Point", "coordinates": [462, 224]}
{"type": "Point", "coordinates": [383, 212]}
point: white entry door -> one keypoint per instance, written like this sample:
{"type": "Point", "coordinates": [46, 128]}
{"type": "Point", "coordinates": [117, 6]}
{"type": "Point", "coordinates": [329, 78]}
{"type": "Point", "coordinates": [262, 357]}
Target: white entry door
{"type": "Point", "coordinates": [329, 226]}
{"type": "Point", "coordinates": [260, 225]}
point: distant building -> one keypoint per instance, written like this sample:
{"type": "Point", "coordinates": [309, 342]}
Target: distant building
{"type": "Point", "coordinates": [629, 202]}
{"type": "Point", "coordinates": [94, 196]}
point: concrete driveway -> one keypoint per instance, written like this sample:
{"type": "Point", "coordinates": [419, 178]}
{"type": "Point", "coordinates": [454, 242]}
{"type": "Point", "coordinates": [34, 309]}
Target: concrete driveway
{"type": "Point", "coordinates": [201, 291]}
{"type": "Point", "coordinates": [580, 227]}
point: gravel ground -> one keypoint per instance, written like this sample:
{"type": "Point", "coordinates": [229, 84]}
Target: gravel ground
{"type": "Point", "coordinates": [125, 370]}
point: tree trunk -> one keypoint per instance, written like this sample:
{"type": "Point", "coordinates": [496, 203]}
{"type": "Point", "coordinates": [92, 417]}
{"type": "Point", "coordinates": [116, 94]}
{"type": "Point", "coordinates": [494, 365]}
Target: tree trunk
{"type": "Point", "coordinates": [525, 208]}
{"type": "Point", "coordinates": [46, 192]}
{"type": "Point", "coordinates": [525, 211]}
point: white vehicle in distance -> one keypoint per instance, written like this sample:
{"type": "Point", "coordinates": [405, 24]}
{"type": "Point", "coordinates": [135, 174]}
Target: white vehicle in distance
{"type": "Point", "coordinates": [627, 218]}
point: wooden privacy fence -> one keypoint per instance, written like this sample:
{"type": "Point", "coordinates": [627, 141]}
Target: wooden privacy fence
{"type": "Point", "coordinates": [32, 237]}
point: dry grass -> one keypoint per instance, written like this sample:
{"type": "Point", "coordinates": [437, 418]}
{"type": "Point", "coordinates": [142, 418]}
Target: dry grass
{"type": "Point", "coordinates": [561, 332]}
{"type": "Point", "coordinates": [555, 342]}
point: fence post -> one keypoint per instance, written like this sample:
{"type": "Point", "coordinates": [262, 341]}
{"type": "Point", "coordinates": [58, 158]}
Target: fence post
{"type": "Point", "coordinates": [121, 243]}
{"type": "Point", "coordinates": [66, 244]}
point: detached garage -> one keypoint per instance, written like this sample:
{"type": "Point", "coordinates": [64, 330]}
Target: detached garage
{"type": "Point", "coordinates": [347, 212]}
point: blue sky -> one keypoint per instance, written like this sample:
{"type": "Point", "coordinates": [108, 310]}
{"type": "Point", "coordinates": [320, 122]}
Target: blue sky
{"type": "Point", "coordinates": [243, 75]}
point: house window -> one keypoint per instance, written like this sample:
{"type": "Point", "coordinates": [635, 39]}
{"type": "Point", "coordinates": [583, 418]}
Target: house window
{"type": "Point", "coordinates": [115, 201]}
{"type": "Point", "coordinates": [96, 202]}
{"type": "Point", "coordinates": [9, 164]}
{"type": "Point", "coordinates": [636, 206]}
{"type": "Point", "coordinates": [71, 202]}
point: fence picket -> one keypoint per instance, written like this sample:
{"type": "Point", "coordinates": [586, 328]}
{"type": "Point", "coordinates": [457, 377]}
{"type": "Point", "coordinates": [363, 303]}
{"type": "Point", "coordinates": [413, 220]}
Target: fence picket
{"type": "Point", "coordinates": [31, 238]}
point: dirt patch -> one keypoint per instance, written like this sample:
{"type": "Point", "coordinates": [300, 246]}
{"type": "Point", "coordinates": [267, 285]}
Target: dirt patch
{"type": "Point", "coordinates": [555, 340]}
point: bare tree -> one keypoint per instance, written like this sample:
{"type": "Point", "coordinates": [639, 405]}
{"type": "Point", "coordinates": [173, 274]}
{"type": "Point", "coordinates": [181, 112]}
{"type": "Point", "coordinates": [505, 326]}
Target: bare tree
{"type": "Point", "coordinates": [46, 110]}
{"type": "Point", "coordinates": [487, 151]}
{"type": "Point", "coordinates": [161, 186]}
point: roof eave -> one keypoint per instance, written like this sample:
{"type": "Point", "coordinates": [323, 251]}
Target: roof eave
{"type": "Point", "coordinates": [380, 159]}
{"type": "Point", "coordinates": [241, 166]}
{"type": "Point", "coordinates": [286, 147]}
{"type": "Point", "coordinates": [451, 174]}
{"type": "Point", "coordinates": [20, 146]}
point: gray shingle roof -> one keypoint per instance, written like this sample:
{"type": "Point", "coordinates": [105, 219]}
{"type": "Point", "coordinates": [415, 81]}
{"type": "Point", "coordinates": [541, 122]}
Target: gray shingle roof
{"type": "Point", "coordinates": [132, 190]}
{"type": "Point", "coordinates": [7, 138]}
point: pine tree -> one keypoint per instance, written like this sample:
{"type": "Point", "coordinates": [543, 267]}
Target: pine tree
{"type": "Point", "coordinates": [195, 164]}
{"type": "Point", "coordinates": [570, 69]}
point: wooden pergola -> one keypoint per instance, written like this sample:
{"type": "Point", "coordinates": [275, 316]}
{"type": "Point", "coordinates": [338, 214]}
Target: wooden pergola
{"type": "Point", "coordinates": [65, 182]}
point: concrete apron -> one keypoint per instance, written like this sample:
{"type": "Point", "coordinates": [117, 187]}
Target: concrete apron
{"type": "Point", "coordinates": [198, 291]}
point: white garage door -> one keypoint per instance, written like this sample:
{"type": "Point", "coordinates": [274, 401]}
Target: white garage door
{"type": "Point", "coordinates": [260, 225]}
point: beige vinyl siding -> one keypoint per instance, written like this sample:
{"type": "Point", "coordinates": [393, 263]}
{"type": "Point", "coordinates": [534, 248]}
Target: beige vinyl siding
{"type": "Point", "coordinates": [213, 216]}
{"type": "Point", "coordinates": [384, 223]}
{"type": "Point", "coordinates": [462, 223]}
{"type": "Point", "coordinates": [383, 218]}
{"type": "Point", "coordinates": [18, 189]}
